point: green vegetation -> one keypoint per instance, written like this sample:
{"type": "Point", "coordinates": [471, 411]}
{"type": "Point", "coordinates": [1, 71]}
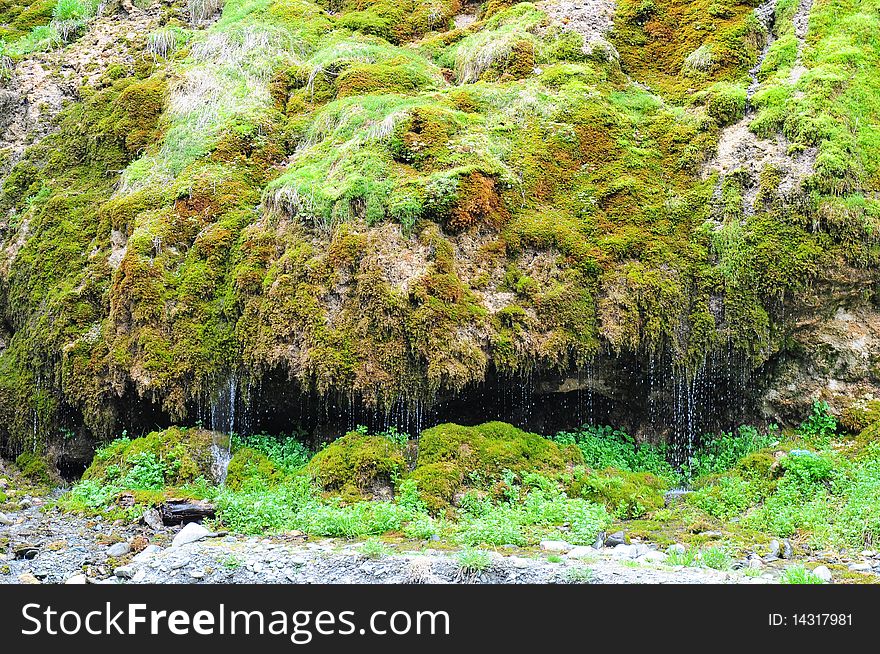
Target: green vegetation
{"type": "Point", "coordinates": [262, 199]}
{"type": "Point", "coordinates": [798, 574]}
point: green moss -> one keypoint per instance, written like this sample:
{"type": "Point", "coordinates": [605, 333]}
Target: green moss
{"type": "Point", "coordinates": [625, 494]}
{"type": "Point", "coordinates": [452, 458]}
{"type": "Point", "coordinates": [34, 467]}
{"type": "Point", "coordinates": [357, 464]}
{"type": "Point", "coordinates": [184, 455]}
{"type": "Point", "coordinates": [249, 468]}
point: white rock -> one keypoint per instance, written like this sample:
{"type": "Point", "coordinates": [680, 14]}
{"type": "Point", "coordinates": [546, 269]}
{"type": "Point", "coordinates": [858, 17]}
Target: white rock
{"type": "Point", "coordinates": [652, 557]}
{"type": "Point", "coordinates": [124, 572]}
{"type": "Point", "coordinates": [139, 576]}
{"type": "Point", "coordinates": [556, 546]}
{"type": "Point", "coordinates": [76, 580]}
{"type": "Point", "coordinates": [118, 549]}
{"type": "Point", "coordinates": [190, 533]}
{"type": "Point", "coordinates": [5, 519]}
{"type": "Point", "coordinates": [580, 552]}
{"type": "Point", "coordinates": [677, 548]}
{"type": "Point", "coordinates": [823, 573]}
{"type": "Point", "coordinates": [147, 552]}
{"type": "Point", "coordinates": [861, 567]}
{"type": "Point", "coordinates": [629, 551]}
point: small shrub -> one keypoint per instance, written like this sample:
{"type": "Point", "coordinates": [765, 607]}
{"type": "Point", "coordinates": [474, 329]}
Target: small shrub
{"type": "Point", "coordinates": [688, 558]}
{"type": "Point", "coordinates": [373, 548]}
{"type": "Point", "coordinates": [471, 562]}
{"type": "Point", "coordinates": [820, 426]}
{"type": "Point", "coordinates": [716, 558]}
{"type": "Point", "coordinates": [798, 574]}
{"type": "Point", "coordinates": [579, 575]}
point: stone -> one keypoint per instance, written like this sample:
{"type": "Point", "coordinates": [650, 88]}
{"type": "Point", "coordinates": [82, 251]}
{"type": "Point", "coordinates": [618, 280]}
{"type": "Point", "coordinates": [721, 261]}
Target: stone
{"type": "Point", "coordinates": [197, 574]}
{"type": "Point", "coordinates": [676, 548]}
{"type": "Point", "coordinates": [190, 533]}
{"type": "Point", "coordinates": [27, 578]}
{"type": "Point", "coordinates": [153, 519]}
{"type": "Point", "coordinates": [76, 580]}
{"type": "Point", "coordinates": [652, 556]}
{"type": "Point", "coordinates": [823, 573]}
{"type": "Point", "coordinates": [556, 546]}
{"type": "Point", "coordinates": [711, 534]}
{"type": "Point", "coordinates": [26, 503]}
{"type": "Point", "coordinates": [118, 549]}
{"type": "Point", "coordinates": [861, 567]}
{"type": "Point", "coordinates": [615, 539]}
{"type": "Point", "coordinates": [580, 552]}
{"type": "Point", "coordinates": [629, 551]}
{"type": "Point", "coordinates": [755, 563]}
{"type": "Point", "coordinates": [139, 576]}
{"type": "Point", "coordinates": [5, 519]}
{"type": "Point", "coordinates": [787, 550]}
{"type": "Point", "coordinates": [774, 548]}
{"type": "Point", "coordinates": [147, 552]}
{"type": "Point", "coordinates": [124, 572]}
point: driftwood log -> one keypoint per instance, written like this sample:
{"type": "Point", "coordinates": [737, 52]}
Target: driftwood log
{"type": "Point", "coordinates": [175, 512]}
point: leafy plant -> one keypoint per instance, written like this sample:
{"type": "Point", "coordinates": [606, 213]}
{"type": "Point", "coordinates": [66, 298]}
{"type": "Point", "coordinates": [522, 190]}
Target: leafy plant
{"type": "Point", "coordinates": [716, 558]}
{"type": "Point", "coordinates": [471, 562]}
{"type": "Point", "coordinates": [798, 574]}
{"type": "Point", "coordinates": [373, 548]}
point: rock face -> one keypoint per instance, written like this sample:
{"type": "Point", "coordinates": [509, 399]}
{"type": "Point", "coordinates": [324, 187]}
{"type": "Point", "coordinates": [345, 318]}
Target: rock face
{"type": "Point", "coordinates": [628, 220]}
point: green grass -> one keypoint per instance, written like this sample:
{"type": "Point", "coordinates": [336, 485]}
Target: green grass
{"type": "Point", "coordinates": [798, 574]}
{"type": "Point", "coordinates": [472, 561]}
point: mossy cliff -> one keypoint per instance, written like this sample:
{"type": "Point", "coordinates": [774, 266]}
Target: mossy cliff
{"type": "Point", "coordinates": [377, 207]}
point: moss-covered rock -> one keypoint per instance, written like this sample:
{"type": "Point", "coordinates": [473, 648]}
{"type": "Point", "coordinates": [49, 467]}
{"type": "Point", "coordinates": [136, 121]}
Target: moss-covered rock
{"type": "Point", "coordinates": [248, 467]}
{"type": "Point", "coordinates": [358, 465]}
{"type": "Point", "coordinates": [34, 467]}
{"type": "Point", "coordinates": [625, 494]}
{"type": "Point", "coordinates": [452, 458]}
{"type": "Point", "coordinates": [171, 457]}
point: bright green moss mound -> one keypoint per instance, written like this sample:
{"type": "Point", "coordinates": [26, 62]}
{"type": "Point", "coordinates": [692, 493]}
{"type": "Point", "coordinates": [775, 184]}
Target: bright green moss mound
{"type": "Point", "coordinates": [452, 458]}
{"type": "Point", "coordinates": [171, 457]}
{"type": "Point", "coordinates": [624, 494]}
{"type": "Point", "coordinates": [34, 467]}
{"type": "Point", "coordinates": [357, 465]}
{"type": "Point", "coordinates": [250, 468]}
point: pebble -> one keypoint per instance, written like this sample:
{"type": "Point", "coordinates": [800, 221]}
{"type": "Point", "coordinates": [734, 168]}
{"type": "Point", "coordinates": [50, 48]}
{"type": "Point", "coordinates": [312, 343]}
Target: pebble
{"type": "Point", "coordinates": [677, 548]}
{"type": "Point", "coordinates": [823, 573]}
{"type": "Point", "coordinates": [77, 580]}
{"type": "Point", "coordinates": [118, 549]}
{"type": "Point", "coordinates": [27, 578]}
{"type": "Point", "coordinates": [787, 550]}
{"type": "Point", "coordinates": [124, 572]}
{"type": "Point", "coordinates": [5, 519]}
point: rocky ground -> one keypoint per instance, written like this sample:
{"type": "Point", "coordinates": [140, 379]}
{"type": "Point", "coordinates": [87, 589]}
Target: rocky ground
{"type": "Point", "coordinates": [42, 545]}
